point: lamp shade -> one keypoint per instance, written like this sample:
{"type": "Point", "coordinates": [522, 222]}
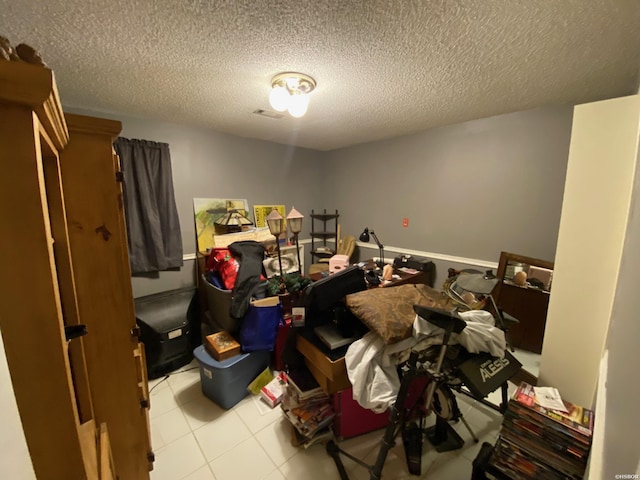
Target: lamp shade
{"type": "Point", "coordinates": [294, 220]}
{"type": "Point", "coordinates": [279, 98]}
{"type": "Point", "coordinates": [275, 222]}
{"type": "Point", "coordinates": [365, 236]}
{"type": "Point", "coordinates": [290, 91]}
{"type": "Point", "coordinates": [232, 221]}
{"type": "Point", "coordinates": [298, 105]}
{"type": "Point", "coordinates": [233, 218]}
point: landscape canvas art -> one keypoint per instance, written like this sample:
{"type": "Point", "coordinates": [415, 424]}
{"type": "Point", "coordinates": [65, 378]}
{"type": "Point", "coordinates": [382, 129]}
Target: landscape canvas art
{"type": "Point", "coordinates": [206, 211]}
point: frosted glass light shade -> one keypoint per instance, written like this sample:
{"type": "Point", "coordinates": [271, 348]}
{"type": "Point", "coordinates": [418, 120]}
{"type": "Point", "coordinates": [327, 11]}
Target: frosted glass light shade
{"type": "Point", "coordinates": [279, 98]}
{"type": "Point", "coordinates": [290, 91]}
{"type": "Point", "coordinates": [298, 105]}
{"type": "Point", "coordinates": [294, 220]}
{"type": "Point", "coordinates": [275, 222]}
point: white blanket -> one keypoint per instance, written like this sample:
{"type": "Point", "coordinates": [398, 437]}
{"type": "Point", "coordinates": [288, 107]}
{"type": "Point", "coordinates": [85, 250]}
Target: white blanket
{"type": "Point", "coordinates": [371, 365]}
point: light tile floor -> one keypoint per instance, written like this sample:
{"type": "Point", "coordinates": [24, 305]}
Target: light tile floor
{"type": "Point", "coordinates": [530, 361]}
{"type": "Point", "coordinates": [195, 439]}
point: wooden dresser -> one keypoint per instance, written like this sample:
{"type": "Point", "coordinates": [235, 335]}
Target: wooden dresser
{"type": "Point", "coordinates": [529, 305]}
{"type": "Point", "coordinates": [83, 403]}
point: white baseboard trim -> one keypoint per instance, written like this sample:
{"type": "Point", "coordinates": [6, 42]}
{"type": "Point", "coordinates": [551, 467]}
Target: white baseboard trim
{"type": "Point", "coordinates": [432, 255]}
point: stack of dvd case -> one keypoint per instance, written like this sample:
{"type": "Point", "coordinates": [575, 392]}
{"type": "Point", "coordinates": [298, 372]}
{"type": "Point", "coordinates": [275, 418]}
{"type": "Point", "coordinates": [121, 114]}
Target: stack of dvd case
{"type": "Point", "coordinates": [537, 442]}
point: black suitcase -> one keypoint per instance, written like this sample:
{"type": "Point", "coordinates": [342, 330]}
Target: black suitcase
{"type": "Point", "coordinates": [167, 324]}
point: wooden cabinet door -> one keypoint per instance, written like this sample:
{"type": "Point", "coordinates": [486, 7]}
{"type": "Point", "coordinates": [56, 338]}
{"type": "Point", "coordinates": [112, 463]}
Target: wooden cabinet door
{"type": "Point", "coordinates": [38, 293]}
{"type": "Point", "coordinates": [528, 305]}
{"type": "Point", "coordinates": [97, 232]}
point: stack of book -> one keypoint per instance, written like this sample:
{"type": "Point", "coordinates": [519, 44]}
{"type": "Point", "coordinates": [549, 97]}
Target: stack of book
{"type": "Point", "coordinates": [537, 442]}
{"type": "Point", "coordinates": [307, 407]}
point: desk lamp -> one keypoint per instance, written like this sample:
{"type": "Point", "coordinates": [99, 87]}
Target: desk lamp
{"type": "Point", "coordinates": [364, 237]}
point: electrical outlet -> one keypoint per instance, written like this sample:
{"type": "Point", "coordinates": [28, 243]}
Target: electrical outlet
{"type": "Point", "coordinates": [405, 222]}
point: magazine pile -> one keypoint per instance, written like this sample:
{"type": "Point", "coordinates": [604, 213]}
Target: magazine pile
{"type": "Point", "coordinates": [537, 442]}
{"type": "Point", "coordinates": [308, 408]}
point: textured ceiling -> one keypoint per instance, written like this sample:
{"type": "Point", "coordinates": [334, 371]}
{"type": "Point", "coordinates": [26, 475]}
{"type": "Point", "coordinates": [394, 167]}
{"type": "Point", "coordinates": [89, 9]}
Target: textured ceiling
{"type": "Point", "coordinates": [383, 68]}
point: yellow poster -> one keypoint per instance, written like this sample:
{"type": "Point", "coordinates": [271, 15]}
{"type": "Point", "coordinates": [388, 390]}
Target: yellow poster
{"type": "Point", "coordinates": [260, 213]}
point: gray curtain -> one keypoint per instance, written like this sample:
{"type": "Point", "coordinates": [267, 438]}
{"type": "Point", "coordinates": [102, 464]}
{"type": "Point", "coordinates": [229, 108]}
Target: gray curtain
{"type": "Point", "coordinates": [153, 227]}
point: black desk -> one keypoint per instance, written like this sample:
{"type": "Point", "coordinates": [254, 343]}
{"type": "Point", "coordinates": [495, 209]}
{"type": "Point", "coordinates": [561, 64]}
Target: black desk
{"type": "Point", "coordinates": [425, 277]}
{"type": "Point", "coordinates": [327, 366]}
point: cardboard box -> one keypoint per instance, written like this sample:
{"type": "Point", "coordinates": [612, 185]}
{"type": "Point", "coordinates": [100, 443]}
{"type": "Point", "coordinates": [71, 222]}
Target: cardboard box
{"type": "Point", "coordinates": [266, 302]}
{"type": "Point", "coordinates": [338, 262]}
{"type": "Point", "coordinates": [545, 275]}
{"type": "Point", "coordinates": [327, 384]}
{"type": "Point", "coordinates": [273, 391]}
{"type": "Point", "coordinates": [222, 345]}
{"type": "Point", "coordinates": [330, 374]}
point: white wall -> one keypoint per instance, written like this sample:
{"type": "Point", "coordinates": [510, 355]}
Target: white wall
{"type": "Point", "coordinates": [623, 390]}
{"type": "Point", "coordinates": [15, 462]}
{"type": "Point", "coordinates": [593, 225]}
{"type": "Point", "coordinates": [469, 190]}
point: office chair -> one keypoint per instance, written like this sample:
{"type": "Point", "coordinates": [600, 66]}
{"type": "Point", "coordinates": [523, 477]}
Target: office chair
{"type": "Point", "coordinates": [482, 285]}
{"type": "Point", "coordinates": [346, 246]}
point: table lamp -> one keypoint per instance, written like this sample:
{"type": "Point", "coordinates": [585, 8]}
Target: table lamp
{"type": "Point", "coordinates": [275, 222]}
{"type": "Point", "coordinates": [232, 221]}
{"type": "Point", "coordinates": [294, 220]}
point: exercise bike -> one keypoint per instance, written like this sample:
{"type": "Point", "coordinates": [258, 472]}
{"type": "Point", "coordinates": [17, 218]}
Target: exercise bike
{"type": "Point", "coordinates": [428, 381]}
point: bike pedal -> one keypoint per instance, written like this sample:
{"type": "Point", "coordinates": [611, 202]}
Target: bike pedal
{"type": "Point", "coordinates": [412, 441]}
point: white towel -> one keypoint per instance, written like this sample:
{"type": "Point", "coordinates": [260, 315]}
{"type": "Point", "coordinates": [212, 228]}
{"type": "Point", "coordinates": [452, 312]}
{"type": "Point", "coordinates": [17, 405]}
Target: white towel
{"type": "Point", "coordinates": [374, 378]}
{"type": "Point", "coordinates": [480, 334]}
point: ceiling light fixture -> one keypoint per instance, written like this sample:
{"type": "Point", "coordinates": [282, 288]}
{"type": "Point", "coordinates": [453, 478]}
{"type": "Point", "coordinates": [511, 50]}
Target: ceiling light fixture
{"type": "Point", "coordinates": [289, 91]}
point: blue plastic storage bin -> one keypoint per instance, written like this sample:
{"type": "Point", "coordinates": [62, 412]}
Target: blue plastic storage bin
{"type": "Point", "coordinates": [226, 382]}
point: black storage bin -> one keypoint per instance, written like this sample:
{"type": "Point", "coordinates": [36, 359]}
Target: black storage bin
{"type": "Point", "coordinates": [166, 322]}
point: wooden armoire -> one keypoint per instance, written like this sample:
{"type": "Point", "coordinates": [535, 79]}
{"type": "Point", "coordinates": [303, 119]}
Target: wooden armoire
{"type": "Point", "coordinates": [83, 401]}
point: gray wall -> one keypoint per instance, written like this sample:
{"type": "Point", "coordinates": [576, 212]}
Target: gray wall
{"type": "Point", "coordinates": [209, 164]}
{"type": "Point", "coordinates": [469, 190]}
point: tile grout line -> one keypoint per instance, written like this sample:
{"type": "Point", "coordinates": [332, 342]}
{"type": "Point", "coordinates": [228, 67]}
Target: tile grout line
{"type": "Point", "coordinates": [269, 425]}
{"type": "Point", "coordinates": [192, 433]}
